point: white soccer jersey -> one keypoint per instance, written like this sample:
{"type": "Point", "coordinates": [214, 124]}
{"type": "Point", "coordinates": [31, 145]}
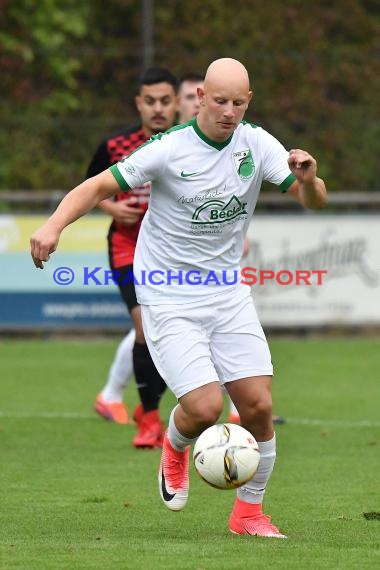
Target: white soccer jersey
{"type": "Point", "coordinates": [202, 199]}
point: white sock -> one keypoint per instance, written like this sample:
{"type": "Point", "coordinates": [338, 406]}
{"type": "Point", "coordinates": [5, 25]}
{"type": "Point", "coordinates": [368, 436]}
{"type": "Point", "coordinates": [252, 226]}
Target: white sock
{"type": "Point", "coordinates": [233, 408]}
{"type": "Point", "coordinates": [121, 369]}
{"type": "Point", "coordinates": [253, 491]}
{"type": "Point", "coordinates": [177, 440]}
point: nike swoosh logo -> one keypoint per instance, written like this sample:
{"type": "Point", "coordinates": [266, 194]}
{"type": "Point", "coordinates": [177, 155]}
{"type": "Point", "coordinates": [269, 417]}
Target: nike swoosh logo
{"type": "Point", "coordinates": [167, 496]}
{"type": "Point", "coordinates": [186, 174]}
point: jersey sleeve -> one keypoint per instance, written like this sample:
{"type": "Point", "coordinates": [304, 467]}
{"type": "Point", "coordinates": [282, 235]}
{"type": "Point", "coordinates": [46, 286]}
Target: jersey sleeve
{"type": "Point", "coordinates": [147, 163]}
{"type": "Point", "coordinates": [276, 168]}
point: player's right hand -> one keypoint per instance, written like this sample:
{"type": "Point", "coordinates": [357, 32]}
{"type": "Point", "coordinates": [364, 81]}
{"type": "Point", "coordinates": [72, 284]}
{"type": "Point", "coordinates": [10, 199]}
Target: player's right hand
{"type": "Point", "coordinates": [42, 243]}
{"type": "Point", "coordinates": [127, 212]}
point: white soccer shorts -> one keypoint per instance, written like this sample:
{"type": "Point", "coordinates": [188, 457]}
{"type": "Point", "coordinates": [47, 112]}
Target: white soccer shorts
{"type": "Point", "coordinates": [218, 339]}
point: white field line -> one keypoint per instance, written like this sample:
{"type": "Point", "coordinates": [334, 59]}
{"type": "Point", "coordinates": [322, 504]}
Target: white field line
{"type": "Point", "coordinates": [48, 415]}
{"type": "Point", "coordinates": [293, 421]}
{"type": "Point", "coordinates": [333, 423]}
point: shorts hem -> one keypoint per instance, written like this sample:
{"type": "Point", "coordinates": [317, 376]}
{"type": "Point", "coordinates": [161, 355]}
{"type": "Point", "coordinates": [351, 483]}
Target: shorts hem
{"type": "Point", "coordinates": [247, 374]}
{"type": "Point", "coordinates": [183, 390]}
{"type": "Point", "coordinates": [237, 376]}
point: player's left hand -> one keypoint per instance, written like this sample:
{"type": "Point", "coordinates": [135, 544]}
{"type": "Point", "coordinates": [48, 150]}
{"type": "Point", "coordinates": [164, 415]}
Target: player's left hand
{"type": "Point", "coordinates": [302, 165]}
{"type": "Point", "coordinates": [42, 243]}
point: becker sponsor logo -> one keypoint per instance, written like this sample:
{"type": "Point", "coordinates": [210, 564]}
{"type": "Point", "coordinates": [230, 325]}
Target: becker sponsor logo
{"type": "Point", "coordinates": [219, 211]}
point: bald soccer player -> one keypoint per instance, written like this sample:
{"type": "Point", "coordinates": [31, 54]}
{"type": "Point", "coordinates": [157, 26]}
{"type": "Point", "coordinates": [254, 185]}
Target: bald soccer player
{"type": "Point", "coordinates": [200, 322]}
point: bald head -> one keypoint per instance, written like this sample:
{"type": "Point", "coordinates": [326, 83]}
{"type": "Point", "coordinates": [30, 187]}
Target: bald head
{"type": "Point", "coordinates": [223, 99]}
{"type": "Point", "coordinates": [227, 71]}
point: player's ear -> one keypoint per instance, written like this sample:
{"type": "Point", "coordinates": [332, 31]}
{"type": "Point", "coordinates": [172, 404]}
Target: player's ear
{"type": "Point", "coordinates": [201, 95]}
{"type": "Point", "coordinates": [138, 102]}
{"type": "Point", "coordinates": [250, 96]}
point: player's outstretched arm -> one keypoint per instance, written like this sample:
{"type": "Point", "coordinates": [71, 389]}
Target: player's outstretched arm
{"type": "Point", "coordinates": [308, 189]}
{"type": "Point", "coordinates": [74, 205]}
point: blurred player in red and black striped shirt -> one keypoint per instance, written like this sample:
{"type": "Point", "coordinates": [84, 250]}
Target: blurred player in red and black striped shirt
{"type": "Point", "coordinates": [156, 101]}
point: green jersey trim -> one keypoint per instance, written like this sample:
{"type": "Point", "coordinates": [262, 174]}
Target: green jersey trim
{"type": "Point", "coordinates": [115, 171]}
{"type": "Point", "coordinates": [175, 128]}
{"type": "Point", "coordinates": [119, 179]}
{"type": "Point", "coordinates": [287, 182]}
{"type": "Point", "coordinates": [201, 135]}
{"type": "Point", "coordinates": [250, 124]}
{"type": "Point", "coordinates": [159, 136]}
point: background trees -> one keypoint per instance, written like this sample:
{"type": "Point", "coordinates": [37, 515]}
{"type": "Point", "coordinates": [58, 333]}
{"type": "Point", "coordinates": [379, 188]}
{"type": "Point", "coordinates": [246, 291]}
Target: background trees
{"type": "Point", "coordinates": [68, 72]}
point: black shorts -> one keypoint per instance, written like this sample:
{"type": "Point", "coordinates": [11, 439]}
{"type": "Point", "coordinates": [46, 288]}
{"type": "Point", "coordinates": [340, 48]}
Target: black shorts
{"type": "Point", "coordinates": [123, 276]}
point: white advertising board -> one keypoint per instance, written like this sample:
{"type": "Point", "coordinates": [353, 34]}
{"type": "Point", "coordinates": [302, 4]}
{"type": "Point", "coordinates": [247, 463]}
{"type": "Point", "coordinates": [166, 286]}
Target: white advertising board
{"type": "Point", "coordinates": [347, 247]}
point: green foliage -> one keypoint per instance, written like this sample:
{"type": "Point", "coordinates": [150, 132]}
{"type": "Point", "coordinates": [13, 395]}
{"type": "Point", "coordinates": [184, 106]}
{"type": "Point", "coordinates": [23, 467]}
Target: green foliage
{"type": "Point", "coordinates": [37, 46]}
{"type": "Point", "coordinates": [314, 66]}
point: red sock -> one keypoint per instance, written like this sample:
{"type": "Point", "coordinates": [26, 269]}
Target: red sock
{"type": "Point", "coordinates": [244, 509]}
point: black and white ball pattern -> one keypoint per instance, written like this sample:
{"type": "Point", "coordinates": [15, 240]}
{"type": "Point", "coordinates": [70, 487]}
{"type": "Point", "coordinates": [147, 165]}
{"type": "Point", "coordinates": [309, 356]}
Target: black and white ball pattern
{"type": "Point", "coordinates": [226, 456]}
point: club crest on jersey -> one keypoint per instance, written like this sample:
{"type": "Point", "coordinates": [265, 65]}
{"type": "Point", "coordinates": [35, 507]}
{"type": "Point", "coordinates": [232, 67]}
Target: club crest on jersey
{"type": "Point", "coordinates": [244, 164]}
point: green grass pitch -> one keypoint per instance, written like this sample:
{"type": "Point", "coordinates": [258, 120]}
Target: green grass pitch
{"type": "Point", "coordinates": [76, 495]}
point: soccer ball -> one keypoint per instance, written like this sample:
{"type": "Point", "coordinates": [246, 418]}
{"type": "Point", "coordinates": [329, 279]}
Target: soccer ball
{"type": "Point", "coordinates": [226, 456]}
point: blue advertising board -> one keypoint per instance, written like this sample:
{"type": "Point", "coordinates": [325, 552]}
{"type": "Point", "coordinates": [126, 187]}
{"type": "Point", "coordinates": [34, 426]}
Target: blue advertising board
{"type": "Point", "coordinates": [73, 291]}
